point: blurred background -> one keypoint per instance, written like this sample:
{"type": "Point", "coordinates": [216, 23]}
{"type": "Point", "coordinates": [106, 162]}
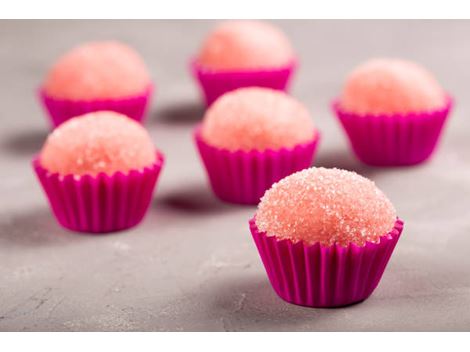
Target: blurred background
{"type": "Point", "coordinates": [192, 265]}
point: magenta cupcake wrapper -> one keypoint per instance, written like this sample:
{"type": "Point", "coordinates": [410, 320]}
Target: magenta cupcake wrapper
{"type": "Point", "coordinates": [324, 276]}
{"type": "Point", "coordinates": [242, 177]}
{"type": "Point", "coordinates": [60, 110]}
{"type": "Point", "coordinates": [102, 203]}
{"type": "Point", "coordinates": [394, 140]}
{"type": "Point", "coordinates": [216, 83]}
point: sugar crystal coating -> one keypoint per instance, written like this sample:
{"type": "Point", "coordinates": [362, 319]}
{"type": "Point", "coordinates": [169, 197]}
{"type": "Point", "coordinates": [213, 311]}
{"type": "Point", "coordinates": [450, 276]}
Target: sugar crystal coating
{"type": "Point", "coordinates": [388, 86]}
{"type": "Point", "coordinates": [326, 206]}
{"type": "Point", "coordinates": [245, 45]}
{"type": "Point", "coordinates": [97, 70]}
{"type": "Point", "coordinates": [256, 118]}
{"type": "Point", "coordinates": [103, 141]}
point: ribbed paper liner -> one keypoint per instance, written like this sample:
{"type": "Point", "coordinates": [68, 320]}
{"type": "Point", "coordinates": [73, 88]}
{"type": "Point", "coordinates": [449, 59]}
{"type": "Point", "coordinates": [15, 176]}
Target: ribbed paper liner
{"type": "Point", "coordinates": [60, 110]}
{"type": "Point", "coordinates": [394, 140]}
{"type": "Point", "coordinates": [242, 177]}
{"type": "Point", "coordinates": [102, 203]}
{"type": "Point", "coordinates": [216, 83]}
{"type": "Point", "coordinates": [324, 276]}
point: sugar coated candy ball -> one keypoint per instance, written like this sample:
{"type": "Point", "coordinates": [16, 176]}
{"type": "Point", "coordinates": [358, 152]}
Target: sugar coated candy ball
{"type": "Point", "coordinates": [257, 119]}
{"type": "Point", "coordinates": [389, 86]}
{"type": "Point", "coordinates": [326, 206]}
{"type": "Point", "coordinates": [98, 70]}
{"type": "Point", "coordinates": [245, 45]}
{"type": "Point", "coordinates": [102, 141]}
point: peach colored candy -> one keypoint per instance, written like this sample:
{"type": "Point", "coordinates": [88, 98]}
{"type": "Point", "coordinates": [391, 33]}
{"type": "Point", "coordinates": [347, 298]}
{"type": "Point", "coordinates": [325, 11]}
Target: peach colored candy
{"type": "Point", "coordinates": [245, 45]}
{"type": "Point", "coordinates": [102, 141]}
{"type": "Point", "coordinates": [388, 86]}
{"type": "Point", "coordinates": [97, 70]}
{"type": "Point", "coordinates": [256, 118]}
{"type": "Point", "coordinates": [327, 206]}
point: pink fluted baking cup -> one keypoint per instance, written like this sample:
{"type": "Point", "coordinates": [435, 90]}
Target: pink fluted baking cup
{"type": "Point", "coordinates": [394, 140]}
{"type": "Point", "coordinates": [102, 203]}
{"type": "Point", "coordinates": [60, 110]}
{"type": "Point", "coordinates": [324, 276]}
{"type": "Point", "coordinates": [242, 177]}
{"type": "Point", "coordinates": [216, 83]}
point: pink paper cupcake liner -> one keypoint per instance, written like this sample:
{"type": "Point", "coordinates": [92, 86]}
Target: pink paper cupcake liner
{"type": "Point", "coordinates": [320, 276]}
{"type": "Point", "coordinates": [394, 140]}
{"type": "Point", "coordinates": [242, 177]}
{"type": "Point", "coordinates": [102, 203]}
{"type": "Point", "coordinates": [60, 110]}
{"type": "Point", "coordinates": [216, 83]}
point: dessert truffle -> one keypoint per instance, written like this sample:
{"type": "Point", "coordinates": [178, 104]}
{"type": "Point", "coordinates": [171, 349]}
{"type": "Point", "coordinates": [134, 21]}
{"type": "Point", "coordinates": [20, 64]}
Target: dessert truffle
{"type": "Point", "coordinates": [245, 45]}
{"type": "Point", "coordinates": [393, 112]}
{"type": "Point", "coordinates": [97, 142]}
{"type": "Point", "coordinates": [97, 70]}
{"type": "Point", "coordinates": [389, 86]}
{"type": "Point", "coordinates": [325, 237]}
{"type": "Point", "coordinates": [328, 206]}
{"type": "Point", "coordinates": [257, 119]}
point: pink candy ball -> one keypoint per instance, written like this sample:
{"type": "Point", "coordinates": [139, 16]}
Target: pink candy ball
{"type": "Point", "coordinates": [102, 141]}
{"type": "Point", "coordinates": [327, 206]}
{"type": "Point", "coordinates": [256, 118]}
{"type": "Point", "coordinates": [98, 70]}
{"type": "Point", "coordinates": [389, 86]}
{"type": "Point", "coordinates": [245, 45]}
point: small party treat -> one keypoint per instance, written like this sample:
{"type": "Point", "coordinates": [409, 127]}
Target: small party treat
{"type": "Point", "coordinates": [99, 171]}
{"type": "Point", "coordinates": [241, 54]}
{"type": "Point", "coordinates": [251, 138]}
{"type": "Point", "coordinates": [97, 76]}
{"type": "Point", "coordinates": [325, 236]}
{"type": "Point", "coordinates": [393, 112]}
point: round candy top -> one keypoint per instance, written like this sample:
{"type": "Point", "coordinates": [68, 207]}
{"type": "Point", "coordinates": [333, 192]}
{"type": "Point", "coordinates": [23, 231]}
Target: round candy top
{"type": "Point", "coordinates": [102, 141]}
{"type": "Point", "coordinates": [256, 118]}
{"type": "Point", "coordinates": [327, 206]}
{"type": "Point", "coordinates": [98, 70]}
{"type": "Point", "coordinates": [389, 86]}
{"type": "Point", "coordinates": [245, 45]}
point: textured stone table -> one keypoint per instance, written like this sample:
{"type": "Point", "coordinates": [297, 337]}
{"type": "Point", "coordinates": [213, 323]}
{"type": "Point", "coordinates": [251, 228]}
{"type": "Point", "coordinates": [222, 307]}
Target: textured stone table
{"type": "Point", "coordinates": [192, 265]}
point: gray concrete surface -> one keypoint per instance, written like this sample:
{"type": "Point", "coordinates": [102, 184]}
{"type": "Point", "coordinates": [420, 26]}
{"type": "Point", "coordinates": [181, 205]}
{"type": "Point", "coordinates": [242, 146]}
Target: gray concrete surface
{"type": "Point", "coordinates": [192, 265]}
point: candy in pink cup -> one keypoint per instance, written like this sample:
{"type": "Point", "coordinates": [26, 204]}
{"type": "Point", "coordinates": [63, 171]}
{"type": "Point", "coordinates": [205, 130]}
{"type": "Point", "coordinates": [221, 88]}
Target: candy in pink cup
{"type": "Point", "coordinates": [252, 137]}
{"type": "Point", "coordinates": [93, 76]}
{"type": "Point", "coordinates": [396, 139]}
{"type": "Point", "coordinates": [216, 83]}
{"type": "Point", "coordinates": [240, 54]}
{"type": "Point", "coordinates": [325, 236]}
{"type": "Point", "coordinates": [393, 112]}
{"type": "Point", "coordinates": [60, 110]}
{"type": "Point", "coordinates": [242, 177]}
{"type": "Point", "coordinates": [320, 276]}
{"type": "Point", "coordinates": [98, 172]}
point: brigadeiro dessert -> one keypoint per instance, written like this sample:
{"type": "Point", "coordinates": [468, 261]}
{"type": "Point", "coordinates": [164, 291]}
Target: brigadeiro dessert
{"type": "Point", "coordinates": [325, 236]}
{"type": "Point", "coordinates": [99, 171]}
{"type": "Point", "coordinates": [251, 138]}
{"type": "Point", "coordinates": [97, 76]}
{"type": "Point", "coordinates": [241, 54]}
{"type": "Point", "coordinates": [393, 112]}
